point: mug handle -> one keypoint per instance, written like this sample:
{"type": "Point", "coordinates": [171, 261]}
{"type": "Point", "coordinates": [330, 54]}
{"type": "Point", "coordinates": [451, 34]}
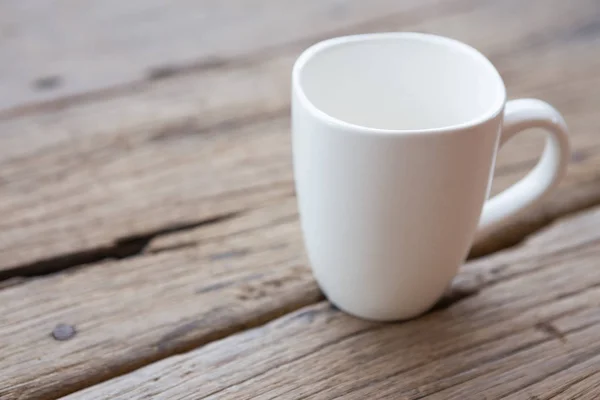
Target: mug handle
{"type": "Point", "coordinates": [520, 115]}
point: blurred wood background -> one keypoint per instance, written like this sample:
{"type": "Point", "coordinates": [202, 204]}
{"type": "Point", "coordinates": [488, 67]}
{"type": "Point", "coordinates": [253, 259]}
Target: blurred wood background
{"type": "Point", "coordinates": [146, 199]}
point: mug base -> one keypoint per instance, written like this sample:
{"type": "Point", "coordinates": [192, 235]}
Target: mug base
{"type": "Point", "coordinates": [382, 317]}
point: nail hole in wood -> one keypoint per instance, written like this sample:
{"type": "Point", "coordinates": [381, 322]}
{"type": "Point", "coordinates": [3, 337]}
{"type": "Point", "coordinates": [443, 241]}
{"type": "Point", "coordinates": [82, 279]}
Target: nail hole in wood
{"type": "Point", "coordinates": [62, 332]}
{"type": "Point", "coordinates": [161, 72]}
{"type": "Point", "coordinates": [47, 82]}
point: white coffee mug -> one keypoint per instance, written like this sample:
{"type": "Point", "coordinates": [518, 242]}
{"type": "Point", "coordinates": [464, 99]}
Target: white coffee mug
{"type": "Point", "coordinates": [394, 142]}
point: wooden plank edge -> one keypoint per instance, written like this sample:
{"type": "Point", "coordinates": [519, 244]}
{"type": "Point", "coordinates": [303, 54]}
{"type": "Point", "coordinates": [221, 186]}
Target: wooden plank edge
{"type": "Point", "coordinates": [498, 269]}
{"type": "Point", "coordinates": [121, 248]}
{"type": "Point", "coordinates": [477, 276]}
{"type": "Point", "coordinates": [564, 203]}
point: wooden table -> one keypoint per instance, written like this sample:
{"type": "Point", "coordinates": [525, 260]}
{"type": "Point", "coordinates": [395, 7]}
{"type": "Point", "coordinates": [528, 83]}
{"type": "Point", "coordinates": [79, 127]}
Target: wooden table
{"type": "Point", "coordinates": [149, 240]}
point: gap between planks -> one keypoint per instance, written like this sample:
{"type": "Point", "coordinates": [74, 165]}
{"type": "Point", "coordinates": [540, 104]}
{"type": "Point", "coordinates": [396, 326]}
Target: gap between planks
{"type": "Point", "coordinates": [122, 248]}
{"type": "Point", "coordinates": [454, 298]}
{"type": "Point", "coordinates": [576, 199]}
{"type": "Point", "coordinates": [581, 197]}
{"type": "Point", "coordinates": [157, 235]}
{"type": "Point", "coordinates": [527, 326]}
{"type": "Point", "coordinates": [568, 236]}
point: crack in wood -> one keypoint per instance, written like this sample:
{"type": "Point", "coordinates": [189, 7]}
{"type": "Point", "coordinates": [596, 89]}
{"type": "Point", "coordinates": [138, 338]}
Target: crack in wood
{"type": "Point", "coordinates": [175, 342]}
{"type": "Point", "coordinates": [132, 245]}
{"type": "Point", "coordinates": [121, 248]}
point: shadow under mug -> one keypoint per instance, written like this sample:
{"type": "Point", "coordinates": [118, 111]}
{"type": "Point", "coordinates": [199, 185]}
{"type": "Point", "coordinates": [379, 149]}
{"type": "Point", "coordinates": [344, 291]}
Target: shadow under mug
{"type": "Point", "coordinates": [395, 138]}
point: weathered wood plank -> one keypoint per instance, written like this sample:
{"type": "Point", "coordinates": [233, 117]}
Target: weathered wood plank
{"type": "Point", "coordinates": [528, 325]}
{"type": "Point", "coordinates": [57, 49]}
{"type": "Point", "coordinates": [145, 162]}
{"type": "Point", "coordinates": [582, 381]}
{"type": "Point", "coordinates": [248, 269]}
{"type": "Point", "coordinates": [173, 174]}
{"type": "Point", "coordinates": [239, 273]}
{"type": "Point", "coordinates": [486, 25]}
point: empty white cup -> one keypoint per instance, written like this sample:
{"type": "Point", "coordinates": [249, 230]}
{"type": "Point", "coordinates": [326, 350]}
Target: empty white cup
{"type": "Point", "coordinates": [394, 141]}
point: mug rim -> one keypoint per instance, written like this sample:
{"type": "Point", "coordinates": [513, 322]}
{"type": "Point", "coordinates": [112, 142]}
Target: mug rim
{"type": "Point", "coordinates": [466, 49]}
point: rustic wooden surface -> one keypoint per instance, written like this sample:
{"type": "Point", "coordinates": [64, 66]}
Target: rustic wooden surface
{"type": "Point", "coordinates": [64, 49]}
{"type": "Point", "coordinates": [147, 200]}
{"type": "Point", "coordinates": [528, 325]}
{"type": "Point", "coordinates": [69, 166]}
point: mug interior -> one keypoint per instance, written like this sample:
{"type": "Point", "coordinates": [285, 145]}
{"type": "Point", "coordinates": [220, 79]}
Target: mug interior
{"type": "Point", "coordinates": [399, 81]}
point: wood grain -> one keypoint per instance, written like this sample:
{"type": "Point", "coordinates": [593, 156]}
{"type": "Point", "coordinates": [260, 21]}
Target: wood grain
{"type": "Point", "coordinates": [247, 270]}
{"type": "Point", "coordinates": [230, 276]}
{"type": "Point", "coordinates": [530, 326]}
{"type": "Point", "coordinates": [65, 53]}
{"type": "Point", "coordinates": [150, 206]}
{"type": "Point", "coordinates": [61, 50]}
{"type": "Point", "coordinates": [175, 152]}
